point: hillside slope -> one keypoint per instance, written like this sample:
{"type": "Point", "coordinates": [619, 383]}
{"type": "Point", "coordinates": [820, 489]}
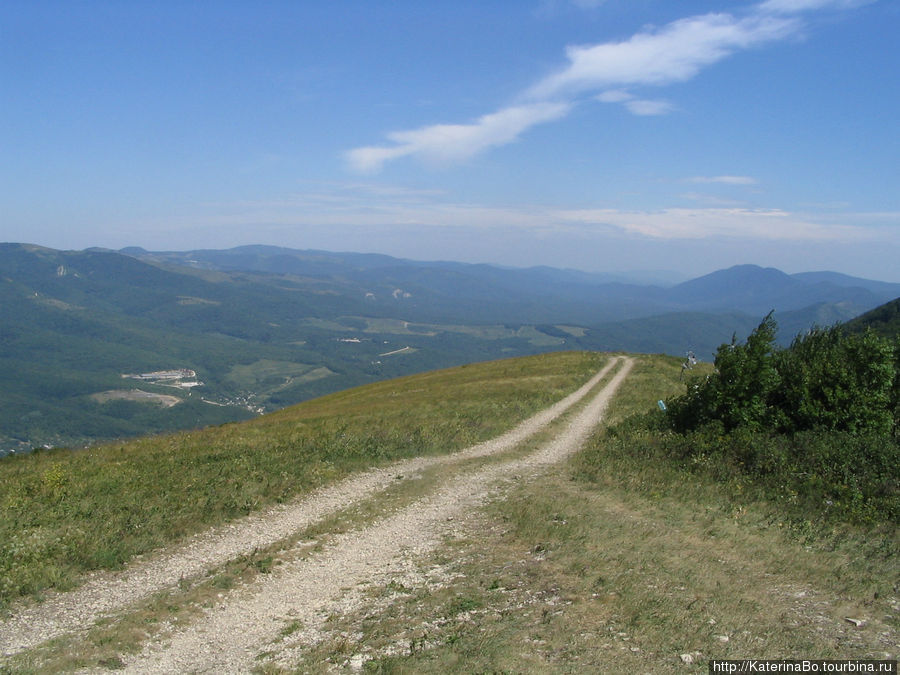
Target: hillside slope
{"type": "Point", "coordinates": [884, 320]}
{"type": "Point", "coordinates": [500, 558]}
{"type": "Point", "coordinates": [121, 500]}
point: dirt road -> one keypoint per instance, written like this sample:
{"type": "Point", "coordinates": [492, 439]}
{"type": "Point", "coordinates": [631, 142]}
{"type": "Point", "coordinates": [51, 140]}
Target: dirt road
{"type": "Point", "coordinates": [248, 619]}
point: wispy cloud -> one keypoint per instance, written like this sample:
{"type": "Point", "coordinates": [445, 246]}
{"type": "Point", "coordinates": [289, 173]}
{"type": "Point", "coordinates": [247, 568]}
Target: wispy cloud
{"type": "Point", "coordinates": [648, 107]}
{"type": "Point", "coordinates": [366, 205]}
{"type": "Point", "coordinates": [614, 96]}
{"type": "Point", "coordinates": [675, 53]}
{"type": "Point", "coordinates": [454, 142]}
{"type": "Point", "coordinates": [727, 180]}
{"type": "Point", "coordinates": [658, 57]}
{"type": "Point", "coordinates": [637, 106]}
{"type": "Point", "coordinates": [733, 223]}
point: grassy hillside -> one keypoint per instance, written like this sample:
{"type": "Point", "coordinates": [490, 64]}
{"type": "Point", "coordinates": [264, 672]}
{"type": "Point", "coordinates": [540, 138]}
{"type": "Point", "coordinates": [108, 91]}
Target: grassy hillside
{"type": "Point", "coordinates": [63, 513]}
{"type": "Point", "coordinates": [624, 559]}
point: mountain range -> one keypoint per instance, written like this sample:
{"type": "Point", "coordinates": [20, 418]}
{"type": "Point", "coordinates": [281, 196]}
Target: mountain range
{"type": "Point", "coordinates": [262, 327]}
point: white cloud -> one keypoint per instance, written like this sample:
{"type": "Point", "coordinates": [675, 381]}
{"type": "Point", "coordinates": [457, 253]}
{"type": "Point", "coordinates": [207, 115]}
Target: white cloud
{"type": "Point", "coordinates": [372, 158]}
{"type": "Point", "coordinates": [675, 53]}
{"type": "Point", "coordinates": [454, 142]}
{"type": "Point", "coordinates": [614, 96]}
{"type": "Point", "coordinates": [734, 223]}
{"type": "Point", "coordinates": [637, 106]}
{"type": "Point", "coordinates": [372, 206]}
{"type": "Point", "coordinates": [727, 180]}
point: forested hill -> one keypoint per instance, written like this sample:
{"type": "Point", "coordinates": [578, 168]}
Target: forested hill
{"type": "Point", "coordinates": [884, 320]}
{"type": "Point", "coordinates": [547, 294]}
{"type": "Point", "coordinates": [93, 341]}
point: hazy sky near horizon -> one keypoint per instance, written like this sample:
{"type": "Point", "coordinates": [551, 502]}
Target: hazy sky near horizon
{"type": "Point", "coordinates": [604, 135]}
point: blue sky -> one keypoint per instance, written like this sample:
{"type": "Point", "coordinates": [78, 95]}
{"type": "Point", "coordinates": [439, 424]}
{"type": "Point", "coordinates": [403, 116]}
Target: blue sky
{"type": "Point", "coordinates": [605, 135]}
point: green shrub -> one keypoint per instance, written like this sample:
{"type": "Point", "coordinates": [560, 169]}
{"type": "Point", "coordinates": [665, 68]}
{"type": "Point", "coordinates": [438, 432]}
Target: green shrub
{"type": "Point", "coordinates": [827, 380]}
{"type": "Point", "coordinates": [835, 381]}
{"type": "Point", "coordinates": [813, 475]}
{"type": "Point", "coordinates": [740, 392]}
{"type": "Point", "coordinates": [816, 423]}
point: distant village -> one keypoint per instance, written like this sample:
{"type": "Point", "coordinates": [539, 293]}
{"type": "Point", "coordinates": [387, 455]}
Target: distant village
{"type": "Point", "coordinates": [185, 378]}
{"type": "Point", "coordinates": [182, 377]}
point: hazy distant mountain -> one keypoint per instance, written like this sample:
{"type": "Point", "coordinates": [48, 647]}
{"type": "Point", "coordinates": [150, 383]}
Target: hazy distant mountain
{"type": "Point", "coordinates": [263, 327]}
{"type": "Point", "coordinates": [757, 290]}
{"type": "Point", "coordinates": [573, 295]}
{"type": "Point", "coordinates": [838, 279]}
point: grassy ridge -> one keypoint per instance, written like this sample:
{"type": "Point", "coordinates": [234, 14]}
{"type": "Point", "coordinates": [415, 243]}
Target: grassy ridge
{"type": "Point", "coordinates": [626, 561]}
{"type": "Point", "coordinates": [622, 560]}
{"type": "Point", "coordinates": [63, 513]}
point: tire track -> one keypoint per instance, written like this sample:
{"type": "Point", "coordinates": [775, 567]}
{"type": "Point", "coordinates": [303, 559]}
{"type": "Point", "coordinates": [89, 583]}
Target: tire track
{"type": "Point", "coordinates": [106, 594]}
{"type": "Point", "coordinates": [232, 635]}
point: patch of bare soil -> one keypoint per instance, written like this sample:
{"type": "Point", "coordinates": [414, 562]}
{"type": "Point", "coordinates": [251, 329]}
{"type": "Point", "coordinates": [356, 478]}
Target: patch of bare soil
{"type": "Point", "coordinates": [137, 395]}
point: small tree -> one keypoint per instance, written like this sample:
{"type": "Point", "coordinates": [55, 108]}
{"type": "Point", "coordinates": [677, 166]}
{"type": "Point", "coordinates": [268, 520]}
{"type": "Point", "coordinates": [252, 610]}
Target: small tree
{"type": "Point", "coordinates": [748, 379]}
{"type": "Point", "coordinates": [741, 391]}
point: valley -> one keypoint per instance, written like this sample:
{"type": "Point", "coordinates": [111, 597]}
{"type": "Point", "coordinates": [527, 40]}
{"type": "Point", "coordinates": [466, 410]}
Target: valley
{"type": "Point", "coordinates": [265, 327]}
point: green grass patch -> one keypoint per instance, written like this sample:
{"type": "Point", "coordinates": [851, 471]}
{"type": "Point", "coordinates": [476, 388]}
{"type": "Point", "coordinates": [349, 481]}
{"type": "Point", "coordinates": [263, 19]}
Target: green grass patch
{"type": "Point", "coordinates": [269, 375]}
